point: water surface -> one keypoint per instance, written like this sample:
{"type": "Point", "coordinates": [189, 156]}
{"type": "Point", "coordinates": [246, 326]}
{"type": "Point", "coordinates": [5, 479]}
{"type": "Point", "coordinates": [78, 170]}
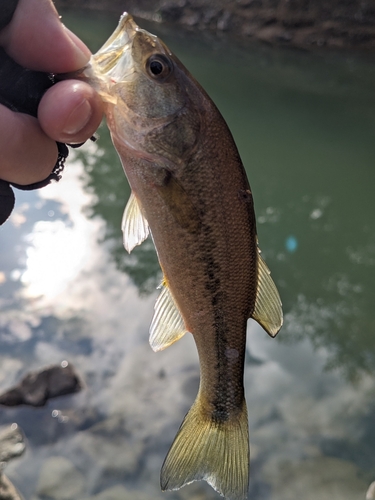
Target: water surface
{"type": "Point", "coordinates": [304, 125]}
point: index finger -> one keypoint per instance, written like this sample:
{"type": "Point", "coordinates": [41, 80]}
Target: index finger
{"type": "Point", "coordinates": [36, 39]}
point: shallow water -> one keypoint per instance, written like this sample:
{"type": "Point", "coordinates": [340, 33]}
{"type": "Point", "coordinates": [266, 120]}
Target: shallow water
{"type": "Point", "coordinates": [304, 125]}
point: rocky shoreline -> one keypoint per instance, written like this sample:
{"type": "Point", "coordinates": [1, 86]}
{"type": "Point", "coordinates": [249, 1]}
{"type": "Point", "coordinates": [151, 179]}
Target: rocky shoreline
{"type": "Point", "coordinates": [296, 23]}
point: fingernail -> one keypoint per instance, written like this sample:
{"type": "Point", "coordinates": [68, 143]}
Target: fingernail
{"type": "Point", "coordinates": [82, 53]}
{"type": "Point", "coordinates": [78, 118]}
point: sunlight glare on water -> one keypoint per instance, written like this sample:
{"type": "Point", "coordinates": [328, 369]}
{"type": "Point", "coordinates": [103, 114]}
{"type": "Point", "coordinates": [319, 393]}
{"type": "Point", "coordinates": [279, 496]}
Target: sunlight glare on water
{"type": "Point", "coordinates": [57, 251]}
{"type": "Point", "coordinates": [55, 256]}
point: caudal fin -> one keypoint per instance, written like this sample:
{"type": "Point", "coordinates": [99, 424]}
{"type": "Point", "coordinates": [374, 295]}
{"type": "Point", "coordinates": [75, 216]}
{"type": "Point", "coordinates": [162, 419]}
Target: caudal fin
{"type": "Point", "coordinates": [217, 452]}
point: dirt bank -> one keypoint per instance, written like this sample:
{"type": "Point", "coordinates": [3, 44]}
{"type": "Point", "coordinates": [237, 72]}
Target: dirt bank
{"type": "Point", "coordinates": [300, 23]}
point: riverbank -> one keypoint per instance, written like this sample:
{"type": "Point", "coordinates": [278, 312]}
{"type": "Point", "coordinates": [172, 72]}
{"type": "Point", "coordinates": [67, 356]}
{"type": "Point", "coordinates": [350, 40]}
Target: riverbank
{"type": "Point", "coordinates": [297, 23]}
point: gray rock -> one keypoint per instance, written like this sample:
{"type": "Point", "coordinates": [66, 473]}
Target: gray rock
{"type": "Point", "coordinates": [8, 490]}
{"type": "Point", "coordinates": [12, 443]}
{"type": "Point", "coordinates": [37, 387]}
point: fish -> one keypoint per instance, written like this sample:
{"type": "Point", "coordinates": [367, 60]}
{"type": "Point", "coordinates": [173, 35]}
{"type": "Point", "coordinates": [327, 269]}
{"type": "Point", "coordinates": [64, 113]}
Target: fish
{"type": "Point", "coordinates": [189, 190]}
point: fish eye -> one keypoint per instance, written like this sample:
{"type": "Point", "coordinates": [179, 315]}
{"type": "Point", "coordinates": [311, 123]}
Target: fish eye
{"type": "Point", "coordinates": [159, 66]}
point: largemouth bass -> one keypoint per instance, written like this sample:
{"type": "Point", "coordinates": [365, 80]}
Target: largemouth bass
{"type": "Point", "coordinates": [190, 190]}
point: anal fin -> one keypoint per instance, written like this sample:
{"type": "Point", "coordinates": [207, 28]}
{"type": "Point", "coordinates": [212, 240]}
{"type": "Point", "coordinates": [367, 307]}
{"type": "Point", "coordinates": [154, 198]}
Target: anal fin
{"type": "Point", "coordinates": [134, 225]}
{"type": "Point", "coordinates": [267, 311]}
{"type": "Point", "coordinates": [167, 324]}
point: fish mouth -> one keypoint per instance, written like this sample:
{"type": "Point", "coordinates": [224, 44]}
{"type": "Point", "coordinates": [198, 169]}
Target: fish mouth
{"type": "Point", "coordinates": [114, 57]}
{"type": "Point", "coordinates": [113, 62]}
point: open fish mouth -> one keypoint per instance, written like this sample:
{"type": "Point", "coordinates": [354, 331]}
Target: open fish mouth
{"type": "Point", "coordinates": [124, 32]}
{"type": "Point", "coordinates": [120, 58]}
{"type": "Point", "coordinates": [113, 62]}
{"type": "Point", "coordinates": [114, 58]}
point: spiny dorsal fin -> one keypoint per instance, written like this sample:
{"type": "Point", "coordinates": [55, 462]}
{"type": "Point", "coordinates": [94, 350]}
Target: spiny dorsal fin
{"type": "Point", "coordinates": [134, 225]}
{"type": "Point", "coordinates": [167, 325]}
{"type": "Point", "coordinates": [267, 310]}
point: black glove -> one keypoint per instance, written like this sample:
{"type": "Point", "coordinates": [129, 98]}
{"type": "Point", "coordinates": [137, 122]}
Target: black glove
{"type": "Point", "coordinates": [21, 90]}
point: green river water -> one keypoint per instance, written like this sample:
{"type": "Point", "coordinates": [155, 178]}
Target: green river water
{"type": "Point", "coordinates": [304, 124]}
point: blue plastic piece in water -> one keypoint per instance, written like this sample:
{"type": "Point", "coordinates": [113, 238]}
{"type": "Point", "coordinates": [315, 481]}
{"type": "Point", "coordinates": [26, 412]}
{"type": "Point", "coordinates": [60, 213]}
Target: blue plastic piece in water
{"type": "Point", "coordinates": [291, 244]}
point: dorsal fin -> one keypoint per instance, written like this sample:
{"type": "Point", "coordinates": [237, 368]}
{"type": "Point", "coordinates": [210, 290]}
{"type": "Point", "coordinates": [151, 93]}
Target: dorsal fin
{"type": "Point", "coordinates": [134, 225]}
{"type": "Point", "coordinates": [267, 311]}
{"type": "Point", "coordinates": [167, 325]}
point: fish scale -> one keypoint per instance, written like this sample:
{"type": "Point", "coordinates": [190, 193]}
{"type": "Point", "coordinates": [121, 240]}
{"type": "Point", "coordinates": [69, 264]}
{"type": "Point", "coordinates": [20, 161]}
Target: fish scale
{"type": "Point", "coordinates": [190, 191]}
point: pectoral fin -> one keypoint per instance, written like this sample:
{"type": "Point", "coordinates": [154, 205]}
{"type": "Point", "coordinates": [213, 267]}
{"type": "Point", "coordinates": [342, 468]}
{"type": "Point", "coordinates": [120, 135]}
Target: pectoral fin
{"type": "Point", "coordinates": [134, 225]}
{"type": "Point", "coordinates": [267, 311]}
{"type": "Point", "coordinates": [179, 203]}
{"type": "Point", "coordinates": [167, 324]}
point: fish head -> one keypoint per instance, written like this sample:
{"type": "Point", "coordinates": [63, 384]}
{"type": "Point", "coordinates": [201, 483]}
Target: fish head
{"type": "Point", "coordinates": [146, 91]}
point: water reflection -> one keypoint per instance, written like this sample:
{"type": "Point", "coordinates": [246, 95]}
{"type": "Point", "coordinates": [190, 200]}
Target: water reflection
{"type": "Point", "coordinates": [325, 293]}
{"type": "Point", "coordinates": [107, 181]}
{"type": "Point", "coordinates": [68, 290]}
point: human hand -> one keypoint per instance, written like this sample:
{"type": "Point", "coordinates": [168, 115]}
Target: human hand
{"type": "Point", "coordinates": [70, 111]}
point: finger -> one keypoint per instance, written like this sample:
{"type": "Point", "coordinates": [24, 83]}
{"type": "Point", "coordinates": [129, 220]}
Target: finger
{"type": "Point", "coordinates": [36, 39]}
{"type": "Point", "coordinates": [28, 155]}
{"type": "Point", "coordinates": [70, 111]}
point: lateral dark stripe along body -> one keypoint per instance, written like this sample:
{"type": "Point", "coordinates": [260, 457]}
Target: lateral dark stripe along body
{"type": "Point", "coordinates": [189, 189]}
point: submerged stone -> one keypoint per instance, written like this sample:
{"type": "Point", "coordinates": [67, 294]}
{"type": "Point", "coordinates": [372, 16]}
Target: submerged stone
{"type": "Point", "coordinates": [12, 443]}
{"type": "Point", "coordinates": [37, 387]}
{"type": "Point", "coordinates": [7, 490]}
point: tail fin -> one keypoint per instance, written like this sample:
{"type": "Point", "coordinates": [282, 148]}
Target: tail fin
{"type": "Point", "coordinates": [217, 452]}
